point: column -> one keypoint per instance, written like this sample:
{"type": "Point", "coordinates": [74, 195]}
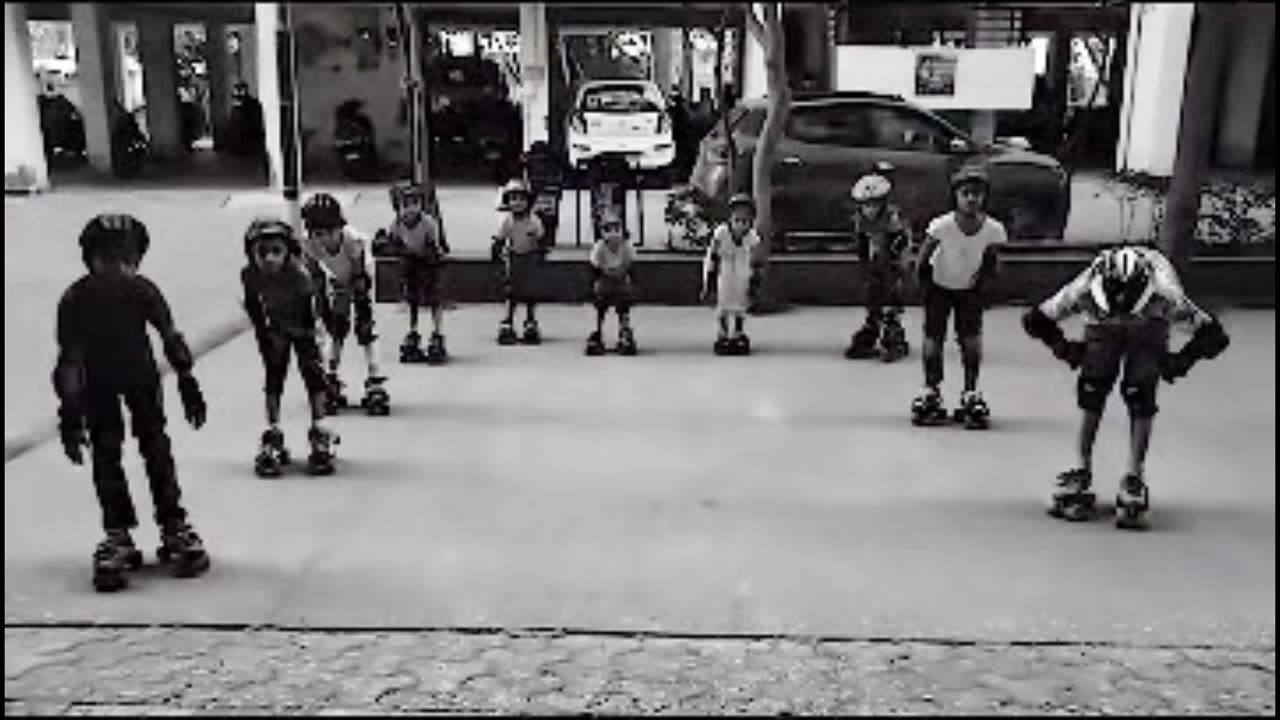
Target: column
{"type": "Point", "coordinates": [219, 75]}
{"type": "Point", "coordinates": [24, 161]}
{"type": "Point", "coordinates": [266, 20]}
{"type": "Point", "coordinates": [535, 57]}
{"type": "Point", "coordinates": [992, 27]}
{"type": "Point", "coordinates": [160, 84]}
{"type": "Point", "coordinates": [755, 82]}
{"type": "Point", "coordinates": [1159, 40]}
{"type": "Point", "coordinates": [95, 66]}
{"type": "Point", "coordinates": [1252, 32]}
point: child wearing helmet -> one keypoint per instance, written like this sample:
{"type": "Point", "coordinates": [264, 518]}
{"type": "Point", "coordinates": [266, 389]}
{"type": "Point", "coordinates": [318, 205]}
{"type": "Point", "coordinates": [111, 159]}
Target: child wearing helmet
{"type": "Point", "coordinates": [283, 304]}
{"type": "Point", "coordinates": [1130, 296]}
{"type": "Point", "coordinates": [105, 356]}
{"type": "Point", "coordinates": [956, 266]}
{"type": "Point", "coordinates": [340, 258]}
{"type": "Point", "coordinates": [732, 266]}
{"type": "Point", "coordinates": [612, 282]}
{"type": "Point", "coordinates": [519, 245]}
{"type": "Point", "coordinates": [883, 239]}
{"type": "Point", "coordinates": [417, 236]}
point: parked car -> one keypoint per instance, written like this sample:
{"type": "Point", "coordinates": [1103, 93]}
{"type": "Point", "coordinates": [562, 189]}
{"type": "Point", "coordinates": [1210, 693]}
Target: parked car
{"type": "Point", "coordinates": [62, 127]}
{"type": "Point", "coordinates": [831, 139]}
{"type": "Point", "coordinates": [627, 117]}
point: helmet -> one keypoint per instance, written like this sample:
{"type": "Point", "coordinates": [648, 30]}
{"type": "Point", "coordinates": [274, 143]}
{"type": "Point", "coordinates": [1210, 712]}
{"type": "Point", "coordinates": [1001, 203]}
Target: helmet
{"type": "Point", "coordinates": [515, 186]}
{"type": "Point", "coordinates": [611, 214]}
{"type": "Point", "coordinates": [871, 187]}
{"type": "Point", "coordinates": [270, 228]}
{"type": "Point", "coordinates": [970, 173]}
{"type": "Point", "coordinates": [117, 237]}
{"type": "Point", "coordinates": [401, 191]}
{"type": "Point", "coordinates": [322, 212]}
{"type": "Point", "coordinates": [1121, 281]}
{"type": "Point", "coordinates": [742, 200]}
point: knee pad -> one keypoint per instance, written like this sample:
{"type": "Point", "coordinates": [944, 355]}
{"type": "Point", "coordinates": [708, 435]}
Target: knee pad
{"type": "Point", "coordinates": [339, 326]}
{"type": "Point", "coordinates": [1091, 393]}
{"type": "Point", "coordinates": [1140, 397]}
{"type": "Point", "coordinates": [275, 379]}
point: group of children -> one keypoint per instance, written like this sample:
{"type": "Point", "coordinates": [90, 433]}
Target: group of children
{"type": "Point", "coordinates": [301, 291]}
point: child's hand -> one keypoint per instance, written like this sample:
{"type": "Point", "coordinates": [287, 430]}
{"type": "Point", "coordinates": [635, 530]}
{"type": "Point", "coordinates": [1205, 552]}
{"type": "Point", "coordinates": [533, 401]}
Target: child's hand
{"type": "Point", "coordinates": [193, 405]}
{"type": "Point", "coordinates": [74, 437]}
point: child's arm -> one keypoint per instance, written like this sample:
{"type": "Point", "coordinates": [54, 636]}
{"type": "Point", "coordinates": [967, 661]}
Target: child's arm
{"type": "Point", "coordinates": [176, 352]}
{"type": "Point", "coordinates": [1208, 338]}
{"type": "Point", "coordinates": [437, 227]}
{"type": "Point", "coordinates": [1041, 321]}
{"type": "Point", "coordinates": [499, 246]}
{"type": "Point", "coordinates": [711, 266]}
{"type": "Point", "coordinates": [69, 381]}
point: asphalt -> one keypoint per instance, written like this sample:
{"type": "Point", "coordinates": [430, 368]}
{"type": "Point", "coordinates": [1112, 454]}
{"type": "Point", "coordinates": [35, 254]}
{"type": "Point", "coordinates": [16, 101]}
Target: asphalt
{"type": "Point", "coordinates": [784, 493]}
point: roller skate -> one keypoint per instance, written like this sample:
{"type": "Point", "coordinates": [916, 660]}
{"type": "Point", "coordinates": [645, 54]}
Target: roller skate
{"type": "Point", "coordinates": [595, 345]}
{"type": "Point", "coordinates": [893, 341]}
{"type": "Point", "coordinates": [376, 401]}
{"type": "Point", "coordinates": [1132, 503]}
{"type": "Point", "coordinates": [334, 397]}
{"type": "Point", "coordinates": [1072, 499]}
{"type": "Point", "coordinates": [436, 354]}
{"type": "Point", "coordinates": [532, 336]}
{"type": "Point", "coordinates": [182, 548]}
{"type": "Point", "coordinates": [320, 462]}
{"type": "Point", "coordinates": [113, 557]}
{"type": "Point", "coordinates": [411, 348]}
{"type": "Point", "coordinates": [272, 455]}
{"type": "Point", "coordinates": [626, 342]}
{"type": "Point", "coordinates": [723, 345]}
{"type": "Point", "coordinates": [973, 411]}
{"type": "Point", "coordinates": [862, 344]}
{"type": "Point", "coordinates": [740, 345]}
{"type": "Point", "coordinates": [507, 333]}
{"type": "Point", "coordinates": [927, 409]}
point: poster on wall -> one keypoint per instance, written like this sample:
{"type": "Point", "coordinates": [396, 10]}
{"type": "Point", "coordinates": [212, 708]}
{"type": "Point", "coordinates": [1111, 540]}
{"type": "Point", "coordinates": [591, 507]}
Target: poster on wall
{"type": "Point", "coordinates": [935, 74]}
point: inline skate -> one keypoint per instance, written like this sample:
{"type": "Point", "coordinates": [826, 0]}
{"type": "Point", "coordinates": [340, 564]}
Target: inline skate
{"type": "Point", "coordinates": [595, 345]}
{"type": "Point", "coordinates": [626, 342]}
{"type": "Point", "coordinates": [436, 353]}
{"type": "Point", "coordinates": [112, 559]}
{"type": "Point", "coordinates": [320, 462]}
{"type": "Point", "coordinates": [893, 341]}
{"type": "Point", "coordinates": [182, 549]}
{"type": "Point", "coordinates": [973, 411]}
{"type": "Point", "coordinates": [723, 345]}
{"type": "Point", "coordinates": [532, 336]}
{"type": "Point", "coordinates": [927, 408]}
{"type": "Point", "coordinates": [272, 455]}
{"type": "Point", "coordinates": [1072, 498]}
{"type": "Point", "coordinates": [740, 345]}
{"type": "Point", "coordinates": [411, 348]}
{"type": "Point", "coordinates": [507, 333]}
{"type": "Point", "coordinates": [376, 401]}
{"type": "Point", "coordinates": [1132, 503]}
{"type": "Point", "coordinates": [862, 344]}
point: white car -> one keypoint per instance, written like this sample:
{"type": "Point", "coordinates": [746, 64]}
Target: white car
{"type": "Point", "coordinates": [621, 116]}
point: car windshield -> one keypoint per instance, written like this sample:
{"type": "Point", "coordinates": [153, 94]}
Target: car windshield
{"type": "Point", "coordinates": [618, 99]}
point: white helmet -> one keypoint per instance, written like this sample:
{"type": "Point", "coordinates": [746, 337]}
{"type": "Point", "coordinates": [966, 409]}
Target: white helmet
{"type": "Point", "coordinates": [871, 187]}
{"type": "Point", "coordinates": [1121, 280]}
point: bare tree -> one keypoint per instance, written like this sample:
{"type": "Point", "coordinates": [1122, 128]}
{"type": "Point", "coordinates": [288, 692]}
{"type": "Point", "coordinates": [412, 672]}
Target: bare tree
{"type": "Point", "coordinates": [722, 96]}
{"type": "Point", "coordinates": [768, 32]}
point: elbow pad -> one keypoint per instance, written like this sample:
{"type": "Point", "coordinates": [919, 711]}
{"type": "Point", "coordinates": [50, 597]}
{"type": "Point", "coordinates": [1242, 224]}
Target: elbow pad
{"type": "Point", "coordinates": [1042, 327]}
{"type": "Point", "coordinates": [69, 381]}
{"type": "Point", "coordinates": [178, 354]}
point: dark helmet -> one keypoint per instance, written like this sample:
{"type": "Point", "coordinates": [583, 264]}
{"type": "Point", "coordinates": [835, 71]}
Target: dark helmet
{"type": "Point", "coordinates": [322, 212]}
{"type": "Point", "coordinates": [742, 200]}
{"type": "Point", "coordinates": [270, 228]}
{"type": "Point", "coordinates": [114, 237]}
{"type": "Point", "coordinates": [403, 190]}
{"type": "Point", "coordinates": [1122, 280]}
{"type": "Point", "coordinates": [970, 173]}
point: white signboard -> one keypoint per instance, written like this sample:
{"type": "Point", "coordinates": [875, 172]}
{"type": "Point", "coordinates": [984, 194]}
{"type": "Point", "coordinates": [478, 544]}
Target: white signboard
{"type": "Point", "coordinates": [941, 78]}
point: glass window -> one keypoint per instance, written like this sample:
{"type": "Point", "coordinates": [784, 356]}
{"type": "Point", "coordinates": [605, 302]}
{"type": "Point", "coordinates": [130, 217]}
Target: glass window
{"type": "Point", "coordinates": [844, 125]}
{"type": "Point", "coordinates": [901, 129]}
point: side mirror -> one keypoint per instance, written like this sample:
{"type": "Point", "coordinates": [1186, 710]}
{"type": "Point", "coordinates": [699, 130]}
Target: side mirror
{"type": "Point", "coordinates": [1017, 142]}
{"type": "Point", "coordinates": [958, 146]}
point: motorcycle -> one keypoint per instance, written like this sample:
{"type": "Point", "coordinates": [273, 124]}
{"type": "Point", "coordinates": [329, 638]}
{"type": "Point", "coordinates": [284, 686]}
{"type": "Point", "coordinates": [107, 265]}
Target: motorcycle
{"type": "Point", "coordinates": [129, 146]}
{"type": "Point", "coordinates": [353, 140]}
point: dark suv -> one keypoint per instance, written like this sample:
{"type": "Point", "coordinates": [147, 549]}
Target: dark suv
{"type": "Point", "coordinates": [832, 139]}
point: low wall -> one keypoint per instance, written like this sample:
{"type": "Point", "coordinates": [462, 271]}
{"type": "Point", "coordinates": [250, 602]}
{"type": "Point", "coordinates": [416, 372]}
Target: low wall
{"type": "Point", "coordinates": [665, 279]}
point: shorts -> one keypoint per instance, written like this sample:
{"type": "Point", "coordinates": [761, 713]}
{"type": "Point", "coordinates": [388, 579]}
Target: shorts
{"type": "Point", "coordinates": [1136, 348]}
{"type": "Point", "coordinates": [275, 347]}
{"type": "Point", "coordinates": [615, 292]}
{"type": "Point", "coordinates": [423, 282]}
{"type": "Point", "coordinates": [525, 278]}
{"type": "Point", "coordinates": [939, 302]}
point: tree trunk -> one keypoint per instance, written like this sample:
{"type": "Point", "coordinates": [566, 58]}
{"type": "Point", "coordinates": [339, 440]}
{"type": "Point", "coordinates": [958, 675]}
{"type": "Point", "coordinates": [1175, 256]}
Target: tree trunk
{"type": "Point", "coordinates": [722, 97]}
{"type": "Point", "coordinates": [770, 36]}
{"type": "Point", "coordinates": [1195, 129]}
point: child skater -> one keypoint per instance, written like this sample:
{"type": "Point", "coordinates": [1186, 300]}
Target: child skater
{"type": "Point", "coordinates": [342, 254]}
{"type": "Point", "coordinates": [612, 282]}
{"type": "Point", "coordinates": [105, 356]}
{"type": "Point", "coordinates": [519, 244]}
{"type": "Point", "coordinates": [1129, 296]}
{"type": "Point", "coordinates": [883, 238]}
{"type": "Point", "coordinates": [957, 264]}
{"type": "Point", "coordinates": [416, 235]}
{"type": "Point", "coordinates": [282, 302]}
{"type": "Point", "coordinates": [732, 267]}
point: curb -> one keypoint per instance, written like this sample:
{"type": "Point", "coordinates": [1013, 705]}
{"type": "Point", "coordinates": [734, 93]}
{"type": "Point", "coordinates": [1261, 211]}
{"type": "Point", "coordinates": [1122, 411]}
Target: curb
{"type": "Point", "coordinates": [47, 428]}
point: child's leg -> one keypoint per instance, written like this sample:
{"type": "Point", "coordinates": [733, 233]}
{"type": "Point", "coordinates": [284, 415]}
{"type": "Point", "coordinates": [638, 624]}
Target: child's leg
{"type": "Point", "coordinates": [413, 316]}
{"type": "Point", "coordinates": [624, 317]}
{"type": "Point", "coordinates": [971, 359]}
{"type": "Point", "coordinates": [529, 316]}
{"type": "Point", "coordinates": [601, 309]}
{"type": "Point", "coordinates": [365, 333]}
{"type": "Point", "coordinates": [1141, 380]}
{"type": "Point", "coordinates": [969, 329]}
{"type": "Point", "coordinates": [511, 310]}
{"type": "Point", "coordinates": [723, 318]}
{"type": "Point", "coordinates": [437, 318]}
{"type": "Point", "coordinates": [1098, 373]}
{"type": "Point", "coordinates": [937, 308]}
{"type": "Point", "coordinates": [275, 361]}
{"type": "Point", "coordinates": [309, 366]}
{"type": "Point", "coordinates": [106, 438]}
{"type": "Point", "coordinates": [146, 408]}
{"type": "Point", "coordinates": [739, 320]}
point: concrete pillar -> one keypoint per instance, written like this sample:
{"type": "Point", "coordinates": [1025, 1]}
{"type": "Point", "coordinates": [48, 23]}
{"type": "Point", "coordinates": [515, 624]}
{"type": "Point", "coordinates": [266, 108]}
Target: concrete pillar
{"type": "Point", "coordinates": [160, 84]}
{"type": "Point", "coordinates": [755, 82]}
{"type": "Point", "coordinates": [266, 20]}
{"type": "Point", "coordinates": [24, 161]}
{"type": "Point", "coordinates": [1252, 32]}
{"type": "Point", "coordinates": [1159, 40]}
{"type": "Point", "coordinates": [991, 27]}
{"type": "Point", "coordinates": [535, 42]}
{"type": "Point", "coordinates": [219, 75]}
{"type": "Point", "coordinates": [95, 67]}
